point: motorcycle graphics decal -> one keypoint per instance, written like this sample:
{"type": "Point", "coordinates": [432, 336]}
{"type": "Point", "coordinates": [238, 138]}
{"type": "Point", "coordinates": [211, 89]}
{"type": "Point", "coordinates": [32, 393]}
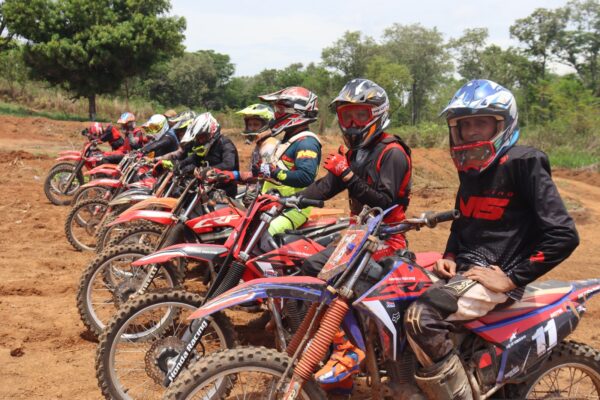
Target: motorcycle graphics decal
{"type": "Point", "coordinates": [223, 217]}
{"type": "Point", "coordinates": [403, 282]}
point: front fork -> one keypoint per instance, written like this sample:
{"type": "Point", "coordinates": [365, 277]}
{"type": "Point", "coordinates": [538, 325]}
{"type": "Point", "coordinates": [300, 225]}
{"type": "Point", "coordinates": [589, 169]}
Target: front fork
{"type": "Point", "coordinates": [227, 278]}
{"type": "Point", "coordinates": [73, 176]}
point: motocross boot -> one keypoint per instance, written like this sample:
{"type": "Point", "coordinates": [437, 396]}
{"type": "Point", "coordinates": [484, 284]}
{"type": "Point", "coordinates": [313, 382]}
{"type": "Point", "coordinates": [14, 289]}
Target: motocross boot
{"type": "Point", "coordinates": [445, 380]}
{"type": "Point", "coordinates": [336, 375]}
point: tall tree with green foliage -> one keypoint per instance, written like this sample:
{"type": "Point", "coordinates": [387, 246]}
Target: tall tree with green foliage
{"type": "Point", "coordinates": [6, 36]}
{"type": "Point", "coordinates": [540, 34]}
{"type": "Point", "coordinates": [468, 51]}
{"type": "Point", "coordinates": [350, 54]}
{"type": "Point", "coordinates": [579, 46]}
{"type": "Point", "coordinates": [90, 47]}
{"type": "Point", "coordinates": [475, 59]}
{"type": "Point", "coordinates": [425, 54]}
{"type": "Point", "coordinates": [193, 80]}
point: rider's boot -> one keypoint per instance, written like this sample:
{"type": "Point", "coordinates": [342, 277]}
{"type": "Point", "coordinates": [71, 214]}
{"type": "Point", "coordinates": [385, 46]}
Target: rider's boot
{"type": "Point", "coordinates": [336, 375]}
{"type": "Point", "coordinates": [445, 380]}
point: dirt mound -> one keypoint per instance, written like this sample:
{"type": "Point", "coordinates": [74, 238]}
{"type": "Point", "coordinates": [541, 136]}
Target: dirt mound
{"type": "Point", "coordinates": [44, 351]}
{"type": "Point", "coordinates": [15, 155]}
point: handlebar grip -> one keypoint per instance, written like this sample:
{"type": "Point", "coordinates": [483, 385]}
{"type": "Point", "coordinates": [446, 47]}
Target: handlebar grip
{"type": "Point", "coordinates": [445, 216]}
{"type": "Point", "coordinates": [304, 202]}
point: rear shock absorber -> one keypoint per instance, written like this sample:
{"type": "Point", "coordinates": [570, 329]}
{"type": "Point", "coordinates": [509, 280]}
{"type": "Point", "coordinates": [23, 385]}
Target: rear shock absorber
{"type": "Point", "coordinates": [318, 347]}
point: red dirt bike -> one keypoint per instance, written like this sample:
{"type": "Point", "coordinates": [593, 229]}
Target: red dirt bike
{"type": "Point", "coordinates": [165, 335]}
{"type": "Point", "coordinates": [200, 215]}
{"type": "Point", "coordinates": [66, 176]}
{"type": "Point", "coordinates": [88, 217]}
{"type": "Point", "coordinates": [517, 351]}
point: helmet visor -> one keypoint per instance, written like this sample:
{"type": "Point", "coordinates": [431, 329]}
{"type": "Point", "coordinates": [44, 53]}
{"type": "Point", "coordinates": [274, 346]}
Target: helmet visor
{"type": "Point", "coordinates": [358, 115]}
{"type": "Point", "coordinates": [282, 109]}
{"type": "Point", "coordinates": [475, 156]}
{"type": "Point", "coordinates": [153, 129]}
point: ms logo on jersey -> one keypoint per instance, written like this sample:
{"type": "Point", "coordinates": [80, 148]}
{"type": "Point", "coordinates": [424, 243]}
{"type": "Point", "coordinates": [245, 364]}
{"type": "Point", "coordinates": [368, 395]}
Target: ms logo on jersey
{"type": "Point", "coordinates": [490, 208]}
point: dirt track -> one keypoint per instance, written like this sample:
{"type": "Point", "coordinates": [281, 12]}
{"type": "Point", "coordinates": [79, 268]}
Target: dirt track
{"type": "Point", "coordinates": [45, 352]}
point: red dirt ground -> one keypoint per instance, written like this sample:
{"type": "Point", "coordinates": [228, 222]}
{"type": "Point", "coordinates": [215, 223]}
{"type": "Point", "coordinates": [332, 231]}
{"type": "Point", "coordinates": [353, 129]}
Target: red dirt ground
{"type": "Point", "coordinates": [44, 350]}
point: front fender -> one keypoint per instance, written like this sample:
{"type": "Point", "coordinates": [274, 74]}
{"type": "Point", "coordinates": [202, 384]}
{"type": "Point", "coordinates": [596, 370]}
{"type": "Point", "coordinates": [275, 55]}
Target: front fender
{"type": "Point", "coordinates": [168, 203]}
{"type": "Point", "coordinates": [69, 153]}
{"type": "Point", "coordinates": [103, 182]}
{"type": "Point", "coordinates": [160, 217]}
{"type": "Point", "coordinates": [203, 252]}
{"type": "Point", "coordinates": [304, 288]}
{"type": "Point", "coordinates": [103, 171]}
{"type": "Point", "coordinates": [70, 157]}
{"type": "Point", "coordinates": [129, 197]}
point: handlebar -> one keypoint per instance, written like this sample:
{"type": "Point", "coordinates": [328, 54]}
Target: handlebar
{"type": "Point", "coordinates": [429, 219]}
{"type": "Point", "coordinates": [301, 202]}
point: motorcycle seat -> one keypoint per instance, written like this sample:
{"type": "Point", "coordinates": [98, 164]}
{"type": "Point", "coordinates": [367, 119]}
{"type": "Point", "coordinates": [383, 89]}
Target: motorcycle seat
{"type": "Point", "coordinates": [534, 296]}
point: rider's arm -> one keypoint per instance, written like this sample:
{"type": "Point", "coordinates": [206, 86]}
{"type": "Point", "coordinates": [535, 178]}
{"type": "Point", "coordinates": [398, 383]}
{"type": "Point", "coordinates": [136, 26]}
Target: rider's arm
{"type": "Point", "coordinates": [164, 141]}
{"type": "Point", "coordinates": [307, 158]}
{"type": "Point", "coordinates": [324, 188]}
{"type": "Point", "coordinates": [229, 157]}
{"type": "Point", "coordinates": [558, 236]}
{"type": "Point", "coordinates": [393, 168]}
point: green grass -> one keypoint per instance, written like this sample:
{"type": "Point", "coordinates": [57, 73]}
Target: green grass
{"type": "Point", "coordinates": [572, 158]}
{"type": "Point", "coordinates": [13, 109]}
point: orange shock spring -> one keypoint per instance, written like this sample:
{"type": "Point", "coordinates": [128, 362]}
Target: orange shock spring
{"type": "Point", "coordinates": [299, 335]}
{"type": "Point", "coordinates": [318, 347]}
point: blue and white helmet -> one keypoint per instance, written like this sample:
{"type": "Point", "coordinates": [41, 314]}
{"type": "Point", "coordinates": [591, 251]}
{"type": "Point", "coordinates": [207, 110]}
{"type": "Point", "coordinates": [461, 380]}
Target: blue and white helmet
{"type": "Point", "coordinates": [482, 97]}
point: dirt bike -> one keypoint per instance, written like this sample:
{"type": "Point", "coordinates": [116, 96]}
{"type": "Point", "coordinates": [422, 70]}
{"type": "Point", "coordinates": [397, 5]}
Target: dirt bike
{"type": "Point", "coordinates": [516, 351]}
{"type": "Point", "coordinates": [87, 217]}
{"type": "Point", "coordinates": [66, 176]}
{"type": "Point", "coordinates": [240, 258]}
{"type": "Point", "coordinates": [109, 280]}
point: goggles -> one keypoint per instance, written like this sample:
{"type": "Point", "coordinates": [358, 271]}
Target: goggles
{"type": "Point", "coordinates": [153, 128]}
{"type": "Point", "coordinates": [358, 115]}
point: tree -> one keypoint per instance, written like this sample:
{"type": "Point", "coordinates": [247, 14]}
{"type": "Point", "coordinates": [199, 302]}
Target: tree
{"type": "Point", "coordinates": [350, 54]}
{"type": "Point", "coordinates": [6, 36]}
{"type": "Point", "coordinates": [540, 34]}
{"type": "Point", "coordinates": [90, 47]}
{"type": "Point", "coordinates": [579, 46]}
{"type": "Point", "coordinates": [194, 80]}
{"type": "Point", "coordinates": [423, 51]}
{"type": "Point", "coordinates": [469, 49]}
{"type": "Point", "coordinates": [394, 78]}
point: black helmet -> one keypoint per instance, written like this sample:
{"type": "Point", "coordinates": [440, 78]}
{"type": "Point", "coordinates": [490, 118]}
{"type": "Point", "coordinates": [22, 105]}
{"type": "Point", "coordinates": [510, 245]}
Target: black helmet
{"type": "Point", "coordinates": [362, 107]}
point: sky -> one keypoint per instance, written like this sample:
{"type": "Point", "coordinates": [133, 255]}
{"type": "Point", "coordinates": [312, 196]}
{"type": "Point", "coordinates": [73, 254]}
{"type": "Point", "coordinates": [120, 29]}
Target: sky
{"type": "Point", "coordinates": [274, 34]}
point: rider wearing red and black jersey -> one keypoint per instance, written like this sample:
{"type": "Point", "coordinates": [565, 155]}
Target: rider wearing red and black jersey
{"type": "Point", "coordinates": [513, 228]}
{"type": "Point", "coordinates": [376, 171]}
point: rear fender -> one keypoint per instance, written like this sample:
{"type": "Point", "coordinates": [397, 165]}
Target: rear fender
{"type": "Point", "coordinates": [202, 252]}
{"type": "Point", "coordinates": [114, 183]}
{"type": "Point", "coordinates": [303, 288]}
{"type": "Point", "coordinates": [159, 217]}
{"type": "Point", "coordinates": [167, 203]}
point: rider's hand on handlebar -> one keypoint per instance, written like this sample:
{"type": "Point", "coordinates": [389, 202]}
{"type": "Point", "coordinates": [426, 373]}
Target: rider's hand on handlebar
{"type": "Point", "coordinates": [445, 268]}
